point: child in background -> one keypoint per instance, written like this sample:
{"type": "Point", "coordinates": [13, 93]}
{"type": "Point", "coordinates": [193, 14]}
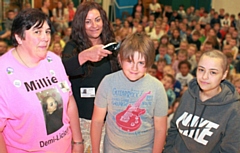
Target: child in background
{"type": "Point", "coordinates": [140, 29]}
{"type": "Point", "coordinates": [67, 33]}
{"type": "Point", "coordinates": [233, 44]}
{"type": "Point", "coordinates": [125, 30]}
{"type": "Point", "coordinates": [57, 38]}
{"type": "Point", "coordinates": [136, 103]}
{"type": "Point", "coordinates": [168, 82]}
{"type": "Point", "coordinates": [156, 45]}
{"type": "Point", "coordinates": [195, 39]}
{"type": "Point", "coordinates": [164, 40]}
{"type": "Point", "coordinates": [153, 70]}
{"type": "Point", "coordinates": [189, 34]}
{"type": "Point", "coordinates": [6, 34]}
{"type": "Point", "coordinates": [202, 36]}
{"type": "Point", "coordinates": [171, 52]}
{"type": "Point", "coordinates": [191, 55]}
{"type": "Point", "coordinates": [227, 49]}
{"type": "Point", "coordinates": [207, 118]}
{"type": "Point", "coordinates": [161, 63]}
{"type": "Point", "coordinates": [157, 33]}
{"type": "Point", "coordinates": [57, 49]}
{"type": "Point", "coordinates": [136, 22]}
{"type": "Point", "coordinates": [227, 39]}
{"type": "Point", "coordinates": [184, 76]}
{"type": "Point", "coordinates": [181, 56]}
{"type": "Point", "coordinates": [149, 28]}
{"type": "Point", "coordinates": [117, 25]}
{"type": "Point", "coordinates": [177, 85]}
{"type": "Point", "coordinates": [231, 71]}
{"type": "Point", "coordinates": [175, 39]}
{"type": "Point", "coordinates": [162, 53]}
{"type": "Point", "coordinates": [183, 45]}
{"type": "Point", "coordinates": [207, 46]}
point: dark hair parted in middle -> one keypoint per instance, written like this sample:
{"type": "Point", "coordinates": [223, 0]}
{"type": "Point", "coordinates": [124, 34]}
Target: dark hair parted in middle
{"type": "Point", "coordinates": [80, 38]}
{"type": "Point", "coordinates": [79, 35]}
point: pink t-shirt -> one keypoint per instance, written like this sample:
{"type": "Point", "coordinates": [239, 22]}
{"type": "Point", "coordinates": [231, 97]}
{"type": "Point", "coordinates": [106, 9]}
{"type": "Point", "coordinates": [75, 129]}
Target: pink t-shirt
{"type": "Point", "coordinates": [33, 105]}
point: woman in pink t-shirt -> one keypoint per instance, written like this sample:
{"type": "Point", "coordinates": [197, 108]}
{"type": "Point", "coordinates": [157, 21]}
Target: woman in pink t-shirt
{"type": "Point", "coordinates": [37, 110]}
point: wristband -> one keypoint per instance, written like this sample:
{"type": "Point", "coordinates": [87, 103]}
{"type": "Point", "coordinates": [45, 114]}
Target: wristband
{"type": "Point", "coordinates": [78, 143]}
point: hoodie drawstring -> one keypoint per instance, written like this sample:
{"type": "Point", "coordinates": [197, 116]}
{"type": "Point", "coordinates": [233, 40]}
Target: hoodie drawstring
{"type": "Point", "coordinates": [189, 127]}
{"type": "Point", "coordinates": [199, 120]}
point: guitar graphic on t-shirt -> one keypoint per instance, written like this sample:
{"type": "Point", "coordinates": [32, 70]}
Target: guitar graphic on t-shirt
{"type": "Point", "coordinates": [129, 119]}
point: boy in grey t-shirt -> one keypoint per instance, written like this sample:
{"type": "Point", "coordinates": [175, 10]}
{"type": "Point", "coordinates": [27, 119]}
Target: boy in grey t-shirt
{"type": "Point", "coordinates": [135, 101]}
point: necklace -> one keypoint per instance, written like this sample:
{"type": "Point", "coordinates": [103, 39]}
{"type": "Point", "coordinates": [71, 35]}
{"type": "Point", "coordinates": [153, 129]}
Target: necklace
{"type": "Point", "coordinates": [21, 59]}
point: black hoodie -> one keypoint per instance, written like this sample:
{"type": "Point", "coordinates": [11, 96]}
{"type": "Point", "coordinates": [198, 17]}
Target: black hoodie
{"type": "Point", "coordinates": [212, 126]}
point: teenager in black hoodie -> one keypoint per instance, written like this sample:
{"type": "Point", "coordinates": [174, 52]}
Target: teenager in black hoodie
{"type": "Point", "coordinates": [208, 117]}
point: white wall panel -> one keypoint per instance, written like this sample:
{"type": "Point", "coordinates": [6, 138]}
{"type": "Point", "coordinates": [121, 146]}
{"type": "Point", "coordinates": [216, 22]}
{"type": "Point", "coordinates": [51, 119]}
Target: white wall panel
{"type": "Point", "coordinates": [230, 6]}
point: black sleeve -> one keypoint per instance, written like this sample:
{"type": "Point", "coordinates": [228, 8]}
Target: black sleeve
{"type": "Point", "coordinates": [70, 61]}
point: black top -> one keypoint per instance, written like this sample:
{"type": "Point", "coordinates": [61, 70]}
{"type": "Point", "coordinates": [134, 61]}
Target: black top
{"type": "Point", "coordinates": [81, 77]}
{"type": "Point", "coordinates": [197, 43]}
{"type": "Point", "coordinates": [49, 13]}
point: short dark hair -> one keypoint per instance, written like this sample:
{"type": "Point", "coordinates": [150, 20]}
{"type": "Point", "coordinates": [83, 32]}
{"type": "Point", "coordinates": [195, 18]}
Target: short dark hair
{"type": "Point", "coordinates": [197, 33]}
{"type": "Point", "coordinates": [170, 76]}
{"type": "Point", "coordinates": [79, 35]}
{"type": "Point", "coordinates": [25, 20]}
{"type": "Point", "coordinates": [154, 66]}
{"type": "Point", "coordinates": [162, 60]}
{"type": "Point", "coordinates": [163, 46]}
{"type": "Point", "coordinates": [184, 62]}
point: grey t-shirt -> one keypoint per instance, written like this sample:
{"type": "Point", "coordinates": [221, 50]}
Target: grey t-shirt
{"type": "Point", "coordinates": [131, 109]}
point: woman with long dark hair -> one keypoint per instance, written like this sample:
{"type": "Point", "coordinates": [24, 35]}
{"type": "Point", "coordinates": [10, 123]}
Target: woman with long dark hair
{"type": "Point", "coordinates": [85, 60]}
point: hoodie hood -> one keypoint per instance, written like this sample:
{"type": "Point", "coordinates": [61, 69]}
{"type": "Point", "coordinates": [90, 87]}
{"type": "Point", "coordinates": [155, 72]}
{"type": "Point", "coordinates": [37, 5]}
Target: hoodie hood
{"type": "Point", "coordinates": [208, 126]}
{"type": "Point", "coordinates": [226, 96]}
